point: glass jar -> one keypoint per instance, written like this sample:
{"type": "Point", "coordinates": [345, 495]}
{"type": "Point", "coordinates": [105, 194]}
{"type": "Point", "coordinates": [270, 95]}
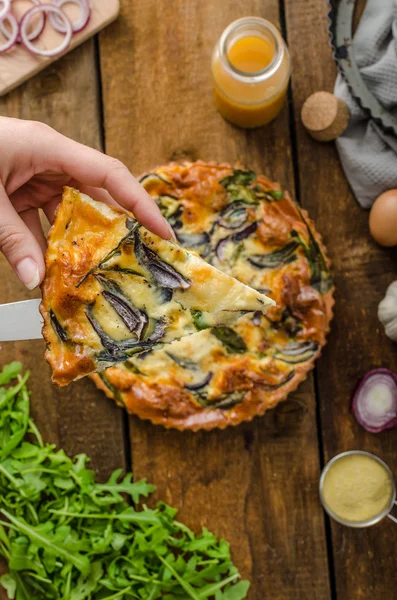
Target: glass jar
{"type": "Point", "coordinates": [250, 71]}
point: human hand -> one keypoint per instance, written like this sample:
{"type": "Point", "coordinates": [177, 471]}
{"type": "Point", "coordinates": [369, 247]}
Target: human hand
{"type": "Point", "coordinates": [35, 163]}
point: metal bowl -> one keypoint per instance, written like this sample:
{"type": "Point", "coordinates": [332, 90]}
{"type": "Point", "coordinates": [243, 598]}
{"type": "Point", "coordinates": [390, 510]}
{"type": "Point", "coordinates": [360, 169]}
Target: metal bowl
{"type": "Point", "coordinates": [357, 524]}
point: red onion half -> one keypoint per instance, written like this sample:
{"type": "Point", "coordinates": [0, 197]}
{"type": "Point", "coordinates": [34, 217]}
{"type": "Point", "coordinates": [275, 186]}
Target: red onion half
{"type": "Point", "coordinates": [45, 8]}
{"type": "Point", "coordinates": [36, 31]}
{"type": "Point", "coordinates": [375, 401]}
{"type": "Point", "coordinates": [12, 33]}
{"type": "Point", "coordinates": [4, 8]}
{"type": "Point", "coordinates": [82, 21]}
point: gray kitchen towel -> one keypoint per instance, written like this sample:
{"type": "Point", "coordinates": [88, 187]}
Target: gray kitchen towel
{"type": "Point", "coordinates": [367, 153]}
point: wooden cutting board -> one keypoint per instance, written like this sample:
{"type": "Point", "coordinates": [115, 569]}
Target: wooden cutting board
{"type": "Point", "coordinates": [17, 65]}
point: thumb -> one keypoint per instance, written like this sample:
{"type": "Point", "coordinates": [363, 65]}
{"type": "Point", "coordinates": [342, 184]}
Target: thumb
{"type": "Point", "coordinates": [19, 245]}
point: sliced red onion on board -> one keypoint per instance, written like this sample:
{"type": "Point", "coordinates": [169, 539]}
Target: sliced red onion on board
{"type": "Point", "coordinates": [4, 8]}
{"type": "Point", "coordinates": [13, 33]}
{"type": "Point", "coordinates": [375, 401]}
{"type": "Point", "coordinates": [24, 27]}
{"type": "Point", "coordinates": [80, 23]}
{"type": "Point", "coordinates": [36, 30]}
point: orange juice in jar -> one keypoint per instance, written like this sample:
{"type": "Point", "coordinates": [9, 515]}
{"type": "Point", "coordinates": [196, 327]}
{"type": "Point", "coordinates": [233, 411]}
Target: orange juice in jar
{"type": "Point", "coordinates": [250, 71]}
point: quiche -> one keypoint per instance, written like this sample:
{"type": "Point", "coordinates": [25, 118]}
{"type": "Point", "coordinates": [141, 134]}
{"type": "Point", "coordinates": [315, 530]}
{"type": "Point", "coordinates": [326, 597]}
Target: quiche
{"type": "Point", "coordinates": [251, 229]}
{"type": "Point", "coordinates": [114, 290]}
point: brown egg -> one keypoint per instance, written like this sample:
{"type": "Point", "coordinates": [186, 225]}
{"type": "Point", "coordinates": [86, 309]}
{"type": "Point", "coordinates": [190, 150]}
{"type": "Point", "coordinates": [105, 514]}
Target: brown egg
{"type": "Point", "coordinates": [383, 219]}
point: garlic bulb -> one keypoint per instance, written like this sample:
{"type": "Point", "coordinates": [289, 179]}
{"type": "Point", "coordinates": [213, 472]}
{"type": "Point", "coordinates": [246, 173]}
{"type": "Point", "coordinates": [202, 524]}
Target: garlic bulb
{"type": "Point", "coordinates": [387, 311]}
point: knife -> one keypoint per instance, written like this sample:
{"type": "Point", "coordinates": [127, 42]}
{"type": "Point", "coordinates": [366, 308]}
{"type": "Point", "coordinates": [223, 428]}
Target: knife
{"type": "Point", "coordinates": [20, 321]}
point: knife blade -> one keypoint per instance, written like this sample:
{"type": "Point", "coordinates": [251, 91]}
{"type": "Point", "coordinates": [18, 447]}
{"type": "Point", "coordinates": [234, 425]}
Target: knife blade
{"type": "Point", "coordinates": [20, 321]}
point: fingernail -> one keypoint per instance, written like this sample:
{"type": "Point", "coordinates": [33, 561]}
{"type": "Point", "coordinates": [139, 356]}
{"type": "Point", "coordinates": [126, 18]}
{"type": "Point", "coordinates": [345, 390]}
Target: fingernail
{"type": "Point", "coordinates": [172, 234]}
{"type": "Point", "coordinates": [28, 273]}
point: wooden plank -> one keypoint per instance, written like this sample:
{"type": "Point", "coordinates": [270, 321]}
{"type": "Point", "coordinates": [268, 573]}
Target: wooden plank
{"type": "Point", "coordinates": [18, 64]}
{"type": "Point", "coordinates": [256, 484]}
{"type": "Point", "coordinates": [365, 568]}
{"type": "Point", "coordinates": [77, 418]}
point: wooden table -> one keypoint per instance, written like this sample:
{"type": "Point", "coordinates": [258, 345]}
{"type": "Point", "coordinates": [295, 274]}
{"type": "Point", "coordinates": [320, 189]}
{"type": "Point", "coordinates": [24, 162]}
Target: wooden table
{"type": "Point", "coordinates": [141, 91]}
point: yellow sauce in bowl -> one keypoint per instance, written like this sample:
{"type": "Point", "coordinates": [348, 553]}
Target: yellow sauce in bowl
{"type": "Point", "coordinates": [357, 488]}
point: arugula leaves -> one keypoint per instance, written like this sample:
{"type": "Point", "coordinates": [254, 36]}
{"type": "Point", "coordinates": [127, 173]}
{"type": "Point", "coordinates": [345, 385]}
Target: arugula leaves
{"type": "Point", "coordinates": [64, 536]}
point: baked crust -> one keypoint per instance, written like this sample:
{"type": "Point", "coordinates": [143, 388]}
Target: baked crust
{"type": "Point", "coordinates": [210, 206]}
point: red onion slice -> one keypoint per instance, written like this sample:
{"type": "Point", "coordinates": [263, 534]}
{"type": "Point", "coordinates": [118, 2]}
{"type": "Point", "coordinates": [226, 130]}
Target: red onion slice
{"type": "Point", "coordinates": [45, 8]}
{"type": "Point", "coordinates": [36, 31]}
{"type": "Point", "coordinates": [375, 401]}
{"type": "Point", "coordinates": [13, 34]}
{"type": "Point", "coordinates": [4, 8]}
{"type": "Point", "coordinates": [200, 384]}
{"type": "Point", "coordinates": [82, 21]}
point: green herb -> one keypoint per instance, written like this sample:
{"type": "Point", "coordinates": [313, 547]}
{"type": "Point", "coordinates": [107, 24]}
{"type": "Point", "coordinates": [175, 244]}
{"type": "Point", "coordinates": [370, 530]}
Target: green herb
{"type": "Point", "coordinates": [238, 177]}
{"type": "Point", "coordinates": [232, 341]}
{"type": "Point", "coordinates": [321, 278]}
{"type": "Point", "coordinates": [132, 226]}
{"type": "Point", "coordinates": [240, 193]}
{"type": "Point", "coordinates": [185, 363]}
{"type": "Point", "coordinates": [131, 367]}
{"type": "Point", "coordinates": [268, 195]}
{"type": "Point", "coordinates": [236, 186]}
{"type": "Point", "coordinates": [277, 258]}
{"type": "Point", "coordinates": [168, 205]}
{"type": "Point", "coordinates": [275, 194]}
{"type": "Point", "coordinates": [223, 402]}
{"type": "Point", "coordinates": [199, 320]}
{"type": "Point", "coordinates": [67, 537]}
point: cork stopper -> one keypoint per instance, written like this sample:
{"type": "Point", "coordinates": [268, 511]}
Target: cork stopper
{"type": "Point", "coordinates": [325, 116]}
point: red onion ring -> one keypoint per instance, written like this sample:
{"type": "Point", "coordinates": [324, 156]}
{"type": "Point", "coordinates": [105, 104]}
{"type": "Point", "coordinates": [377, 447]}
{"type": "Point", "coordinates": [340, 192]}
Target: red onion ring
{"type": "Point", "coordinates": [5, 9]}
{"type": "Point", "coordinates": [80, 24]}
{"type": "Point", "coordinates": [11, 41]}
{"type": "Point", "coordinates": [375, 401]}
{"type": "Point", "coordinates": [45, 8]}
{"type": "Point", "coordinates": [34, 34]}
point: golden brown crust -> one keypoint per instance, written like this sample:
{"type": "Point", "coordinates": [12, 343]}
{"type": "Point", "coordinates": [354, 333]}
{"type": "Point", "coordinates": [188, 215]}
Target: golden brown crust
{"type": "Point", "coordinates": [162, 397]}
{"type": "Point", "coordinates": [72, 252]}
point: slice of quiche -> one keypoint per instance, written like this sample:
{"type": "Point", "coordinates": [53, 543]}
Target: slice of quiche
{"type": "Point", "coordinates": [113, 289]}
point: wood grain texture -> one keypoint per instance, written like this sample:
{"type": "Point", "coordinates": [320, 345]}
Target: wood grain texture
{"type": "Point", "coordinates": [18, 64]}
{"type": "Point", "coordinates": [77, 418]}
{"type": "Point", "coordinates": [256, 484]}
{"type": "Point", "coordinates": [364, 562]}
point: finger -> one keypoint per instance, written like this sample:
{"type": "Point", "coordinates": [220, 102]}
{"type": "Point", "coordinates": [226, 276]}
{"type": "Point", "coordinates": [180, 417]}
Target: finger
{"type": "Point", "coordinates": [19, 245]}
{"type": "Point", "coordinates": [98, 170]}
{"type": "Point", "coordinates": [31, 218]}
{"type": "Point", "coordinates": [98, 194]}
